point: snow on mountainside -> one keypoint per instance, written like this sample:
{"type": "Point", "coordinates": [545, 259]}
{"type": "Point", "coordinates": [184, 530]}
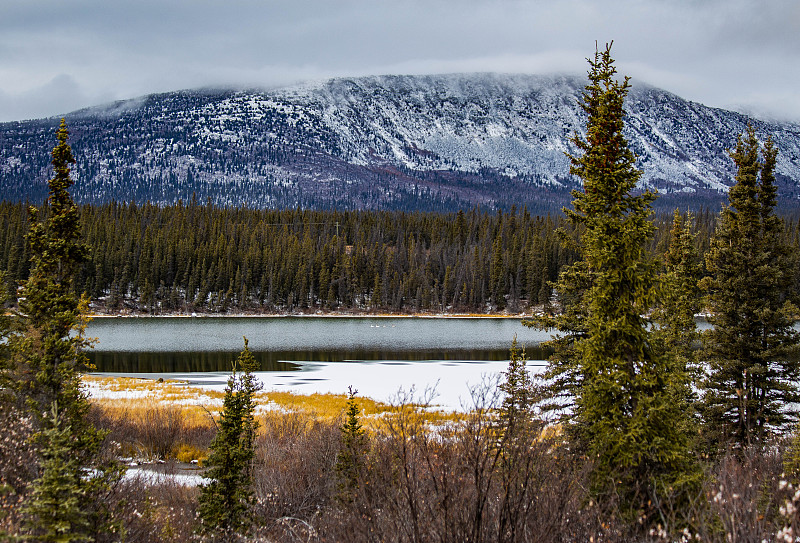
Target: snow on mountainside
{"type": "Point", "coordinates": [390, 142]}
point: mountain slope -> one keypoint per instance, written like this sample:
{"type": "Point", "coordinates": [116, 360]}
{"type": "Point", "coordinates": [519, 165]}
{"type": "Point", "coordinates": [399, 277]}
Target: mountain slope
{"type": "Point", "coordinates": [391, 142]}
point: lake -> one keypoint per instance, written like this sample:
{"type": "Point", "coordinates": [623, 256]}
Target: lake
{"type": "Point", "coordinates": [377, 355]}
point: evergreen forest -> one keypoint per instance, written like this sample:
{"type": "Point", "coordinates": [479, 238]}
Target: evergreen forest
{"type": "Point", "coordinates": [202, 258]}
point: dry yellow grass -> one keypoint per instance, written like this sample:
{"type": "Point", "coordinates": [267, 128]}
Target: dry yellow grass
{"type": "Point", "coordinates": [127, 397]}
{"type": "Point", "coordinates": [323, 406]}
{"type": "Point", "coordinates": [143, 402]}
{"type": "Point", "coordinates": [122, 396]}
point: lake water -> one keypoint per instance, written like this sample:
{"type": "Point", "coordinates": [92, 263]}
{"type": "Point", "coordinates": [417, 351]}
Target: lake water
{"type": "Point", "coordinates": [377, 355]}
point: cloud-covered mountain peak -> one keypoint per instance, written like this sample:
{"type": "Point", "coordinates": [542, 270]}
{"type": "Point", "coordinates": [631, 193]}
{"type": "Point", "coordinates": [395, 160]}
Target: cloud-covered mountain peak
{"type": "Point", "coordinates": [422, 142]}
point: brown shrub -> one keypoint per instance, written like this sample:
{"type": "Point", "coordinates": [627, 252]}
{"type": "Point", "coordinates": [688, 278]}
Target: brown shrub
{"type": "Point", "coordinates": [154, 431]}
{"type": "Point", "coordinates": [742, 497]}
{"type": "Point", "coordinates": [151, 512]}
{"type": "Point", "coordinates": [294, 465]}
{"type": "Point", "coordinates": [19, 465]}
{"type": "Point", "coordinates": [453, 482]}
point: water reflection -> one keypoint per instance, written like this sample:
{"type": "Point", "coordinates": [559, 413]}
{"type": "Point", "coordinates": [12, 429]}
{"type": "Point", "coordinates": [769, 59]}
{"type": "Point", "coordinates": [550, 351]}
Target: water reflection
{"type": "Point", "coordinates": [282, 344]}
{"type": "Point", "coordinates": [282, 361]}
{"type": "Point", "coordinates": [178, 362]}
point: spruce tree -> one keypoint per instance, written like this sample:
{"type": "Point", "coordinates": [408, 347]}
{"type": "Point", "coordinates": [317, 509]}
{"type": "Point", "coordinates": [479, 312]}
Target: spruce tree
{"type": "Point", "coordinates": [517, 429]}
{"type": "Point", "coordinates": [751, 390]}
{"type": "Point", "coordinates": [47, 356]}
{"type": "Point", "coordinates": [350, 459]}
{"type": "Point", "coordinates": [515, 415]}
{"type": "Point", "coordinates": [619, 388]}
{"type": "Point", "coordinates": [55, 510]}
{"type": "Point", "coordinates": [679, 301]}
{"type": "Point", "coordinates": [43, 373]}
{"type": "Point", "coordinates": [225, 502]}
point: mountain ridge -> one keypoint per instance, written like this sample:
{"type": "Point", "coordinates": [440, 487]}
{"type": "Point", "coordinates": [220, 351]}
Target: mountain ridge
{"type": "Point", "coordinates": [432, 143]}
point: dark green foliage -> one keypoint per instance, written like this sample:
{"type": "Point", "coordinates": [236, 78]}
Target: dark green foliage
{"type": "Point", "coordinates": [518, 431]}
{"type": "Point", "coordinates": [751, 389]}
{"type": "Point", "coordinates": [680, 298]}
{"type": "Point", "coordinates": [186, 258]}
{"type": "Point", "coordinates": [43, 373]}
{"type": "Point", "coordinates": [55, 510]}
{"type": "Point", "coordinates": [225, 502]}
{"type": "Point", "coordinates": [46, 356]}
{"type": "Point", "coordinates": [350, 459]}
{"type": "Point", "coordinates": [516, 411]}
{"type": "Point", "coordinates": [679, 301]}
{"type": "Point", "coordinates": [622, 415]}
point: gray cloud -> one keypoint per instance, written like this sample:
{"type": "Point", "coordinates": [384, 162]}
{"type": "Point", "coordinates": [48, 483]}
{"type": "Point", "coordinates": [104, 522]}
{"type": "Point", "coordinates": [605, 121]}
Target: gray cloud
{"type": "Point", "coordinates": [726, 53]}
{"type": "Point", "coordinates": [60, 95]}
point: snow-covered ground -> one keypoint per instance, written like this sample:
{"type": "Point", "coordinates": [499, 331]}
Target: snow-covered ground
{"type": "Point", "coordinates": [154, 474]}
{"type": "Point", "coordinates": [450, 382]}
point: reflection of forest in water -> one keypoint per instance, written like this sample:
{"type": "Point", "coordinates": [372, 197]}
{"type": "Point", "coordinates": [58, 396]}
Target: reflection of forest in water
{"type": "Point", "coordinates": [165, 345]}
{"type": "Point", "coordinates": [170, 362]}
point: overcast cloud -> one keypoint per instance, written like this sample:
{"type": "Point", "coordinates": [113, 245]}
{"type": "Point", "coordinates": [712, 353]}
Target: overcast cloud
{"type": "Point", "coordinates": [57, 56]}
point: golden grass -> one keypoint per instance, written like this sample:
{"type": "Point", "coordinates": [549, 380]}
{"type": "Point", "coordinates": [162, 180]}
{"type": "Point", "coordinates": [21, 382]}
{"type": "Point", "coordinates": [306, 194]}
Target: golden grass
{"type": "Point", "coordinates": [135, 401]}
{"type": "Point", "coordinates": [196, 403]}
{"type": "Point", "coordinates": [187, 453]}
{"type": "Point", "coordinates": [322, 406]}
{"type": "Point", "coordinates": [146, 393]}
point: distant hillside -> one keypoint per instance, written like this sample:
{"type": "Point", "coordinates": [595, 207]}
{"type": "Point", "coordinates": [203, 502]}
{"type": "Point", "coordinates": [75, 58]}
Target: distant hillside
{"type": "Point", "coordinates": [393, 142]}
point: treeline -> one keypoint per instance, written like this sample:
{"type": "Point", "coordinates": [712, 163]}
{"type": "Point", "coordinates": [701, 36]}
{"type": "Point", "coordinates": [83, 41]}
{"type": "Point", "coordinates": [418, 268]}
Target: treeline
{"type": "Point", "coordinates": [204, 258]}
{"type": "Point", "coordinates": [192, 257]}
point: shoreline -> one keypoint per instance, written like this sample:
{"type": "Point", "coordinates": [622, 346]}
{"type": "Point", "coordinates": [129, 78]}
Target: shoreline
{"type": "Point", "coordinates": [333, 314]}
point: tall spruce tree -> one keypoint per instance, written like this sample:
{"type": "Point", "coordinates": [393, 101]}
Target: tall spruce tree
{"type": "Point", "coordinates": [679, 301]}
{"type": "Point", "coordinates": [226, 501]}
{"type": "Point", "coordinates": [751, 390]}
{"type": "Point", "coordinates": [47, 356]}
{"type": "Point", "coordinates": [43, 373]}
{"type": "Point", "coordinates": [619, 388]}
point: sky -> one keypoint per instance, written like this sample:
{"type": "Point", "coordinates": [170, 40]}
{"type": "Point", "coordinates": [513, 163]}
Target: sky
{"type": "Point", "coordinates": [57, 56]}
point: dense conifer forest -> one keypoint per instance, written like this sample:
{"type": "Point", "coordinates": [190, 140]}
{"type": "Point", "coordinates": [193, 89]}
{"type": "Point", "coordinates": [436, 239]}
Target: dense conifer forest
{"type": "Point", "coordinates": [202, 258]}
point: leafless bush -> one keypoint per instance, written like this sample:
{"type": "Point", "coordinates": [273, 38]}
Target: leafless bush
{"type": "Point", "coordinates": [456, 483]}
{"type": "Point", "coordinates": [18, 464]}
{"type": "Point", "coordinates": [465, 480]}
{"type": "Point", "coordinates": [789, 511]}
{"type": "Point", "coordinates": [160, 428]}
{"type": "Point", "coordinates": [742, 498]}
{"type": "Point", "coordinates": [155, 512]}
{"type": "Point", "coordinates": [294, 466]}
{"type": "Point", "coordinates": [153, 431]}
{"type": "Point", "coordinates": [18, 458]}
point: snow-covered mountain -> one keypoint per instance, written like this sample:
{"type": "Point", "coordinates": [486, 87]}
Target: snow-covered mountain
{"type": "Point", "coordinates": [390, 142]}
